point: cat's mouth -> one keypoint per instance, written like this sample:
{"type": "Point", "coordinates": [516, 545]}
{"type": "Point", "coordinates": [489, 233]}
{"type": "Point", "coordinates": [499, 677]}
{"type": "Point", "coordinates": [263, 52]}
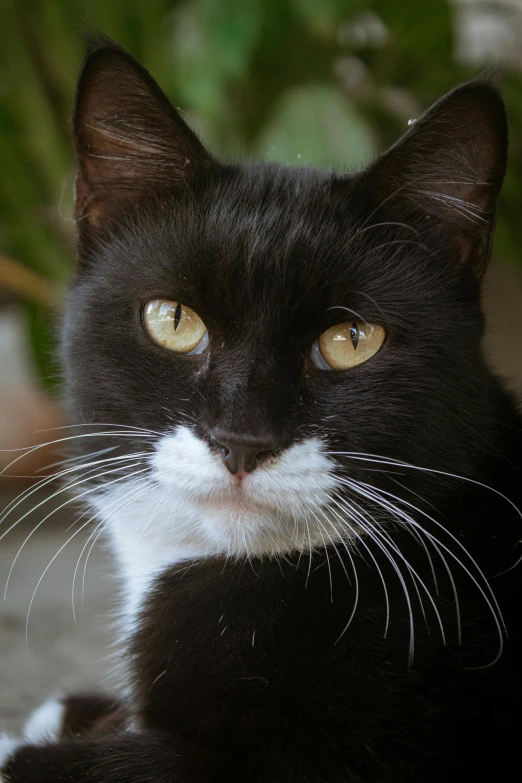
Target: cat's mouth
{"type": "Point", "coordinates": [274, 507]}
{"type": "Point", "coordinates": [239, 493]}
{"type": "Point", "coordinates": [237, 496]}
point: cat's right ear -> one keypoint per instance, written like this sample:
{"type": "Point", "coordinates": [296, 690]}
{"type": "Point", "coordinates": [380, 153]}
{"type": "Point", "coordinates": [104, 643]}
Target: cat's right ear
{"type": "Point", "coordinates": [449, 167]}
{"type": "Point", "coordinates": [129, 139]}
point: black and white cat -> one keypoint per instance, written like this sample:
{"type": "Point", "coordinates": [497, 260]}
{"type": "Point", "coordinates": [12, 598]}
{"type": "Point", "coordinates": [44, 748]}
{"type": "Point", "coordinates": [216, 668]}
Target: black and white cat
{"type": "Point", "coordinates": [306, 471]}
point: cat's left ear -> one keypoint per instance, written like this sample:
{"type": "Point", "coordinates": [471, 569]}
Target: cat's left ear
{"type": "Point", "coordinates": [450, 166]}
{"type": "Point", "coordinates": [129, 139]}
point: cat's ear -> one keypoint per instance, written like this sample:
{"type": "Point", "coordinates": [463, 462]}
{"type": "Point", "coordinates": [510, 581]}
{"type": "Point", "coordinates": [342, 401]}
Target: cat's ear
{"type": "Point", "coordinates": [129, 138]}
{"type": "Point", "coordinates": [450, 165]}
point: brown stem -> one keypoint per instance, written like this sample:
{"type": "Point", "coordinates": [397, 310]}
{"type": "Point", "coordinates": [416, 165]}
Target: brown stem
{"type": "Point", "coordinates": [20, 280]}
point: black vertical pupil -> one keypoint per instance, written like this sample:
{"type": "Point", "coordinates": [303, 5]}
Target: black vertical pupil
{"type": "Point", "coordinates": [177, 316]}
{"type": "Point", "coordinates": [354, 334]}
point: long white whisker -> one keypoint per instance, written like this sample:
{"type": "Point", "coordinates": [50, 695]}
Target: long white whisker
{"type": "Point", "coordinates": [321, 528]}
{"type": "Point", "coordinates": [356, 578]}
{"type": "Point", "coordinates": [103, 523]}
{"type": "Point", "coordinates": [71, 437]}
{"type": "Point", "coordinates": [106, 521]}
{"type": "Point", "coordinates": [415, 577]}
{"type": "Point", "coordinates": [384, 549]}
{"type": "Point", "coordinates": [27, 493]}
{"type": "Point", "coordinates": [50, 564]}
{"type": "Point", "coordinates": [72, 499]}
{"type": "Point", "coordinates": [492, 604]}
{"type": "Point", "coordinates": [416, 580]}
{"type": "Point", "coordinates": [363, 542]}
{"type": "Point", "coordinates": [78, 458]}
{"type": "Point", "coordinates": [40, 581]}
{"type": "Point", "coordinates": [454, 538]}
{"type": "Point", "coordinates": [378, 459]}
{"type": "Point", "coordinates": [417, 536]}
{"type": "Point", "coordinates": [311, 554]}
{"type": "Point", "coordinates": [162, 503]}
{"type": "Point", "coordinates": [336, 532]}
{"type": "Point", "coordinates": [101, 424]}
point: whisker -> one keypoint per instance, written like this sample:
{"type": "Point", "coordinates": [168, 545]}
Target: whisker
{"type": "Point", "coordinates": [101, 424]}
{"type": "Point", "coordinates": [40, 581]}
{"type": "Point", "coordinates": [414, 575]}
{"type": "Point", "coordinates": [103, 522]}
{"type": "Point", "coordinates": [394, 462]}
{"type": "Point", "coordinates": [356, 580]}
{"type": "Point", "coordinates": [51, 479]}
{"type": "Point", "coordinates": [162, 503]}
{"type": "Point", "coordinates": [356, 598]}
{"type": "Point", "coordinates": [70, 500]}
{"type": "Point", "coordinates": [76, 459]}
{"type": "Point", "coordinates": [492, 604]}
{"type": "Point", "coordinates": [363, 542]}
{"type": "Point", "coordinates": [311, 554]}
{"type": "Point", "coordinates": [342, 541]}
{"type": "Point", "coordinates": [384, 549]}
{"type": "Point", "coordinates": [116, 511]}
{"type": "Point", "coordinates": [382, 533]}
{"type": "Point", "coordinates": [321, 528]}
{"type": "Point", "coordinates": [70, 437]}
{"type": "Point", "coordinates": [445, 530]}
{"type": "Point", "coordinates": [417, 535]}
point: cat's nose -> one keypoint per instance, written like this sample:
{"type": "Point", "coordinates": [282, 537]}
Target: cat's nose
{"type": "Point", "coordinates": [243, 452]}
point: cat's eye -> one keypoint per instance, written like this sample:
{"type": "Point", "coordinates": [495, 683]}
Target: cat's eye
{"type": "Point", "coordinates": [347, 345]}
{"type": "Point", "coordinates": [175, 326]}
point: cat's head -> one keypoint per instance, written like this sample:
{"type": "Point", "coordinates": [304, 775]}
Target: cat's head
{"type": "Point", "coordinates": [268, 340]}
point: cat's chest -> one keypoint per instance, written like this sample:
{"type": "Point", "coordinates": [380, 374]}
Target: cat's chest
{"type": "Point", "coordinates": [146, 538]}
{"type": "Point", "coordinates": [212, 636]}
{"type": "Point", "coordinates": [239, 645]}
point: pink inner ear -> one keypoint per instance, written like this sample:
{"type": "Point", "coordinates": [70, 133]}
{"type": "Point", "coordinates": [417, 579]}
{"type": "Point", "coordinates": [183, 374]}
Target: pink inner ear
{"type": "Point", "coordinates": [90, 208]}
{"type": "Point", "coordinates": [450, 165]}
{"type": "Point", "coordinates": [129, 138]}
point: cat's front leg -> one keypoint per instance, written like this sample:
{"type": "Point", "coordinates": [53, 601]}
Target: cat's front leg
{"type": "Point", "coordinates": [66, 717]}
{"type": "Point", "coordinates": [124, 757]}
{"type": "Point", "coordinates": [75, 715]}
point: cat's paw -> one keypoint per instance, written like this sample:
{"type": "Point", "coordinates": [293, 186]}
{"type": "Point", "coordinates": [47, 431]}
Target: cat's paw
{"type": "Point", "coordinates": [45, 724]}
{"type": "Point", "coordinates": [8, 745]}
{"type": "Point", "coordinates": [74, 715]}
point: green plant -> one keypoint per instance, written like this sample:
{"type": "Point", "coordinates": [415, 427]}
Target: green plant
{"type": "Point", "coordinates": [327, 82]}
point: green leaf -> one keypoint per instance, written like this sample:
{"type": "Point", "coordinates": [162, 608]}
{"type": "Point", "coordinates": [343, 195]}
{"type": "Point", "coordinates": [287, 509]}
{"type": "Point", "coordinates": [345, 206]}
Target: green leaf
{"type": "Point", "coordinates": [43, 344]}
{"type": "Point", "coordinates": [315, 125]}
{"type": "Point", "coordinates": [420, 51]}
{"type": "Point", "coordinates": [213, 42]}
{"type": "Point", "coordinates": [323, 16]}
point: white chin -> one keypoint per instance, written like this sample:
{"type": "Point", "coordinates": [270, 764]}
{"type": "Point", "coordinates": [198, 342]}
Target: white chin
{"type": "Point", "coordinates": [245, 528]}
{"type": "Point", "coordinates": [274, 509]}
{"type": "Point", "coordinates": [189, 506]}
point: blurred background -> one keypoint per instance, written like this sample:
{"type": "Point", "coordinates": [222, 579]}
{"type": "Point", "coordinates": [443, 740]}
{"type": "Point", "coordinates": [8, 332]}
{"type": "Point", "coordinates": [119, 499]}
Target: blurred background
{"type": "Point", "coordinates": [322, 82]}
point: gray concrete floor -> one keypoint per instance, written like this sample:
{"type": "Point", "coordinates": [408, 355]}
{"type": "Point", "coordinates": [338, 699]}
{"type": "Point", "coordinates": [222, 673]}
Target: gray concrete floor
{"type": "Point", "coordinates": [60, 654]}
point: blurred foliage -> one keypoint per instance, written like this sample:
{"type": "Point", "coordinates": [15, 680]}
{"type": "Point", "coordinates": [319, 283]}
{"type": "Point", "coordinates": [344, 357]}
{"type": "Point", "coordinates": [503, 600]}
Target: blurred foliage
{"type": "Point", "coordinates": [327, 82]}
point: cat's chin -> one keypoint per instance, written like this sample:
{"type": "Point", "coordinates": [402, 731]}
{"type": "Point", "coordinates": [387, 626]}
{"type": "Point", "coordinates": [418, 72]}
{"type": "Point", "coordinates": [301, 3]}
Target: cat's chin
{"type": "Point", "coordinates": [189, 505]}
{"type": "Point", "coordinates": [236, 501]}
{"type": "Point", "coordinates": [300, 478]}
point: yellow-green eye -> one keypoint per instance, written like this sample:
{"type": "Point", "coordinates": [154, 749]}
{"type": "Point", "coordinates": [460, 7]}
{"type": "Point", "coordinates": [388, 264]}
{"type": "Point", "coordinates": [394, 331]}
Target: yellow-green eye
{"type": "Point", "coordinates": [347, 345]}
{"type": "Point", "coordinates": [175, 326]}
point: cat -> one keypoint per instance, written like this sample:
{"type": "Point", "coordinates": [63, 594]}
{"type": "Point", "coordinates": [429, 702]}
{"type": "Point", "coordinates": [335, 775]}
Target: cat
{"type": "Point", "coordinates": [286, 429]}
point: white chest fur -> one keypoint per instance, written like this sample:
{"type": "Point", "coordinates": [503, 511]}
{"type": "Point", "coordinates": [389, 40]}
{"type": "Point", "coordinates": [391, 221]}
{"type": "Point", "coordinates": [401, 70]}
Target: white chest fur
{"type": "Point", "coordinates": [189, 506]}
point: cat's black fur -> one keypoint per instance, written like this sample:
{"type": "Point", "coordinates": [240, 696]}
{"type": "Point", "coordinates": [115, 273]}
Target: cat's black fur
{"type": "Point", "coordinates": [239, 671]}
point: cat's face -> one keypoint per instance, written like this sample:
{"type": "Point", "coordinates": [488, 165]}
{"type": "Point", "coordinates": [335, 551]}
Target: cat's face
{"type": "Point", "coordinates": [277, 336]}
